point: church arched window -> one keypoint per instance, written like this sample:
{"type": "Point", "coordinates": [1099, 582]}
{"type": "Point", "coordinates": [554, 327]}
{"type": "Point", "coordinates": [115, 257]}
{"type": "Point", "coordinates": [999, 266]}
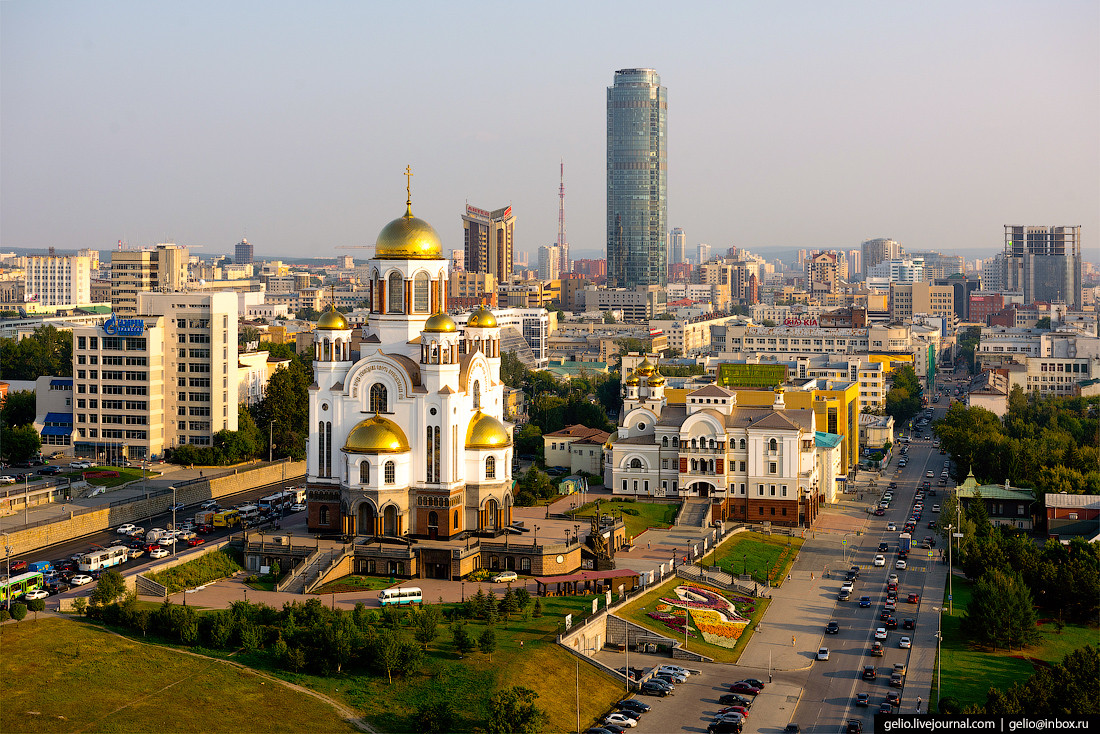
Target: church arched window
{"type": "Point", "coordinates": [395, 298]}
{"type": "Point", "coordinates": [421, 285]}
{"type": "Point", "coordinates": [491, 467]}
{"type": "Point", "coordinates": [391, 472]}
{"type": "Point", "coordinates": [323, 515]}
{"type": "Point", "coordinates": [477, 395]}
{"type": "Point", "coordinates": [664, 442]}
{"type": "Point", "coordinates": [635, 463]}
{"type": "Point", "coordinates": [773, 445]}
{"type": "Point", "coordinates": [379, 398]}
{"type": "Point", "coordinates": [364, 473]}
{"type": "Point", "coordinates": [741, 444]}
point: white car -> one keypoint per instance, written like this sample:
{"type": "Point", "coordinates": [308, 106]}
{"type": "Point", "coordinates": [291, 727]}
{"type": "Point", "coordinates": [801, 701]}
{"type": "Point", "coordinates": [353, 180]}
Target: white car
{"type": "Point", "coordinates": [935, 508]}
{"type": "Point", "coordinates": [80, 579]}
{"type": "Point", "coordinates": [620, 719]}
{"type": "Point", "coordinates": [136, 553]}
{"type": "Point", "coordinates": [504, 577]}
{"type": "Point", "coordinates": [847, 586]}
{"type": "Point", "coordinates": [823, 654]}
{"type": "Point", "coordinates": [297, 507]}
{"type": "Point", "coordinates": [929, 474]}
{"type": "Point", "coordinates": [905, 642]}
{"type": "Point", "coordinates": [7, 480]}
{"type": "Point", "coordinates": [893, 579]}
{"type": "Point", "coordinates": [127, 529]}
{"type": "Point", "coordinates": [880, 560]}
{"type": "Point", "coordinates": [891, 526]}
{"type": "Point", "coordinates": [900, 565]}
{"type": "Point", "coordinates": [880, 633]}
{"type": "Point", "coordinates": [674, 669]}
{"type": "Point", "coordinates": [158, 553]}
{"type": "Point", "coordinates": [80, 465]}
{"type": "Point", "coordinates": [36, 594]}
{"type": "Point", "coordinates": [208, 504]}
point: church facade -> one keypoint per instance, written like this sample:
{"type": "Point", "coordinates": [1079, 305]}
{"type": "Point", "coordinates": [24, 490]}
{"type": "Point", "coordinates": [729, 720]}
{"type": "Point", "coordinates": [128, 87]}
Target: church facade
{"type": "Point", "coordinates": [408, 439]}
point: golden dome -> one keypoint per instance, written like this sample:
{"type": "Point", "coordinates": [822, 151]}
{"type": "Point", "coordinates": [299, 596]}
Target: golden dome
{"type": "Point", "coordinates": [482, 318]}
{"type": "Point", "coordinates": [408, 238]}
{"type": "Point", "coordinates": [486, 432]}
{"type": "Point", "coordinates": [440, 323]}
{"type": "Point", "coordinates": [332, 320]}
{"type": "Point", "coordinates": [645, 369]}
{"type": "Point", "coordinates": [657, 380]}
{"type": "Point", "coordinates": [376, 435]}
{"type": "Point", "coordinates": [633, 380]}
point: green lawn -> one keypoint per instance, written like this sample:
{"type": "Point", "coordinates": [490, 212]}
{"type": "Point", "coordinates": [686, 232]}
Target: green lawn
{"type": "Point", "coordinates": [758, 554]}
{"type": "Point", "coordinates": [125, 474]}
{"type": "Point", "coordinates": [637, 611]}
{"type": "Point", "coordinates": [970, 671]}
{"type": "Point", "coordinates": [62, 675]}
{"type": "Point", "coordinates": [354, 583]}
{"type": "Point", "coordinates": [649, 514]}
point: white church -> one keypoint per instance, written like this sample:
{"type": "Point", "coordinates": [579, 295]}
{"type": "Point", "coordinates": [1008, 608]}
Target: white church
{"type": "Point", "coordinates": [409, 439]}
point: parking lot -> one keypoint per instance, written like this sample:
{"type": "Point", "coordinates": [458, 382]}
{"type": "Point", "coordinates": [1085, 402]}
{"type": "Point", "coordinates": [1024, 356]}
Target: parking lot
{"type": "Point", "coordinates": [694, 703]}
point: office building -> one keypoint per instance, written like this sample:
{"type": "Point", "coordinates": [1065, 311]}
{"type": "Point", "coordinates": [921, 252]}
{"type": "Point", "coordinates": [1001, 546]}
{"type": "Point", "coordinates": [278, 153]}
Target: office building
{"type": "Point", "coordinates": [488, 241]}
{"type": "Point", "coordinates": [163, 377]}
{"type": "Point", "coordinates": [938, 266]}
{"type": "Point", "coordinates": [242, 253]}
{"type": "Point", "coordinates": [703, 252]}
{"type": "Point", "coordinates": [637, 179]}
{"type": "Point", "coordinates": [161, 270]}
{"type": "Point", "coordinates": [636, 304]}
{"type": "Point", "coordinates": [879, 250]}
{"type": "Point", "coordinates": [903, 270]}
{"type": "Point", "coordinates": [677, 246]}
{"type": "Point", "coordinates": [549, 262]}
{"type": "Point", "coordinates": [57, 281]}
{"type": "Point", "coordinates": [855, 262]}
{"type": "Point", "coordinates": [907, 299]}
{"type": "Point", "coordinates": [1044, 263]}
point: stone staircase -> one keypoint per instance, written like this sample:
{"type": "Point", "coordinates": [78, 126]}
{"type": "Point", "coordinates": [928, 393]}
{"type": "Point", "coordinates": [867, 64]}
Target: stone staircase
{"type": "Point", "coordinates": [720, 579]}
{"type": "Point", "coordinates": [312, 567]}
{"type": "Point", "coordinates": [695, 513]}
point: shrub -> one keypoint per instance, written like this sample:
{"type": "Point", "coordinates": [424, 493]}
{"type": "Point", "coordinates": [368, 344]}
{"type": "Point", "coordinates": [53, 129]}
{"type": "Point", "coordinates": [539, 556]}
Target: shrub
{"type": "Point", "coordinates": [202, 570]}
{"type": "Point", "coordinates": [36, 606]}
{"type": "Point", "coordinates": [18, 612]}
{"type": "Point", "coordinates": [4, 615]}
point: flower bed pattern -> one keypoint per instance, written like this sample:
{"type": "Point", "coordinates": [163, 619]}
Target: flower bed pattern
{"type": "Point", "coordinates": [720, 619]}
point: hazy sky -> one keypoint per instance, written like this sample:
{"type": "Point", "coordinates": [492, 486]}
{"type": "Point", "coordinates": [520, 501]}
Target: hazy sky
{"type": "Point", "coordinates": [793, 124]}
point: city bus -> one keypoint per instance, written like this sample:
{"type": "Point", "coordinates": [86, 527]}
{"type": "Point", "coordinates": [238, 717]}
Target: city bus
{"type": "Point", "coordinates": [226, 519]}
{"type": "Point", "coordinates": [16, 586]}
{"type": "Point", "coordinates": [105, 558]}
{"type": "Point", "coordinates": [248, 514]}
{"type": "Point", "coordinates": [276, 502]}
{"type": "Point", "coordinates": [406, 595]}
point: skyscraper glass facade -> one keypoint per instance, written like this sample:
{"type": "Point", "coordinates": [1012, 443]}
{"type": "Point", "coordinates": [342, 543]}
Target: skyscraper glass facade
{"type": "Point", "coordinates": [637, 179]}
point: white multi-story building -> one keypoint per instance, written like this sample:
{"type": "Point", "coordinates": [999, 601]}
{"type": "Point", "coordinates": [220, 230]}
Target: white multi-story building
{"type": "Point", "coordinates": [533, 324]}
{"type": "Point", "coordinates": [164, 377]}
{"type": "Point", "coordinates": [58, 281]}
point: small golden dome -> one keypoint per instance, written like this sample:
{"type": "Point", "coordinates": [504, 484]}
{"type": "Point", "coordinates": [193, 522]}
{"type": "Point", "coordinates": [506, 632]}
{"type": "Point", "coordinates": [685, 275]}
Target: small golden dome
{"type": "Point", "coordinates": [645, 369]}
{"type": "Point", "coordinates": [332, 320]}
{"type": "Point", "coordinates": [486, 432]}
{"type": "Point", "coordinates": [482, 318]}
{"type": "Point", "coordinates": [408, 238]}
{"type": "Point", "coordinates": [376, 435]}
{"type": "Point", "coordinates": [440, 323]}
{"type": "Point", "coordinates": [657, 380]}
{"type": "Point", "coordinates": [633, 380]}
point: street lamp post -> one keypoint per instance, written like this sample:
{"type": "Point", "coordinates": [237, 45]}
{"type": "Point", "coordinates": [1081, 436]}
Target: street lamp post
{"type": "Point", "coordinates": [939, 651]}
{"type": "Point", "coordinates": [270, 446]}
{"type": "Point", "coordinates": [7, 555]}
{"type": "Point", "coordinates": [535, 537]}
{"type": "Point", "coordinates": [577, 533]}
{"type": "Point", "coordinates": [173, 488]}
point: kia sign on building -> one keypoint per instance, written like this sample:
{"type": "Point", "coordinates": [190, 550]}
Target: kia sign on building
{"type": "Point", "coordinates": [115, 326]}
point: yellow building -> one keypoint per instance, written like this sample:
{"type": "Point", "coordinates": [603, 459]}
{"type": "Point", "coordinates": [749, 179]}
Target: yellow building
{"type": "Point", "coordinates": [890, 360]}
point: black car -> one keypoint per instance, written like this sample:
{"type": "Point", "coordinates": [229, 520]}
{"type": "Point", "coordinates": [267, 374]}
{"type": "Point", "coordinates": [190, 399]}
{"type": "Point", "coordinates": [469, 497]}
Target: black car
{"type": "Point", "coordinates": [633, 705]}
{"type": "Point", "coordinates": [597, 730]}
{"type": "Point", "coordinates": [725, 727]}
{"type": "Point", "coordinates": [855, 570]}
{"type": "Point", "coordinates": [850, 576]}
{"type": "Point", "coordinates": [869, 672]}
{"type": "Point", "coordinates": [893, 698]}
{"type": "Point", "coordinates": [792, 729]}
{"type": "Point", "coordinates": [649, 688]}
{"type": "Point", "coordinates": [832, 628]}
{"type": "Point", "coordinates": [909, 624]}
{"type": "Point", "coordinates": [863, 699]}
{"type": "Point", "coordinates": [754, 682]}
{"type": "Point", "coordinates": [732, 699]}
{"type": "Point", "coordinates": [891, 623]}
{"type": "Point", "coordinates": [57, 587]}
{"type": "Point", "coordinates": [613, 728]}
{"type": "Point", "coordinates": [883, 547]}
{"type": "Point", "coordinates": [51, 470]}
{"type": "Point", "coordinates": [855, 726]}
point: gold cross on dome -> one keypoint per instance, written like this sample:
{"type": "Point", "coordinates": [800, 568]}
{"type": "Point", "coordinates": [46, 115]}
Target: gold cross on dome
{"type": "Point", "coordinates": [408, 185]}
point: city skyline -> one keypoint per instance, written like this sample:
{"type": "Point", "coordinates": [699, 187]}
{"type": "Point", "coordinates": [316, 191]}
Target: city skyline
{"type": "Point", "coordinates": [206, 124]}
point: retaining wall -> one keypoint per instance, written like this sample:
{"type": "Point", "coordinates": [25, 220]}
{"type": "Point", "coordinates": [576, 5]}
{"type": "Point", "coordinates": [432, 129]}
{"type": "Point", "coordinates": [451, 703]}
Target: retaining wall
{"type": "Point", "coordinates": [139, 510]}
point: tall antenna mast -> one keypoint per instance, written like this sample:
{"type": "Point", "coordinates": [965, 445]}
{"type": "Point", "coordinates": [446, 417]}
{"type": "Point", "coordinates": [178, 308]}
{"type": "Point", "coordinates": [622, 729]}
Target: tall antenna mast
{"type": "Point", "coordinates": [562, 244]}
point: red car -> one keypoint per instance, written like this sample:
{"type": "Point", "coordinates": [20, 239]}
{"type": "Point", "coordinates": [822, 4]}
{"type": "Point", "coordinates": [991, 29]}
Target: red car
{"type": "Point", "coordinates": [914, 598]}
{"type": "Point", "coordinates": [743, 710]}
{"type": "Point", "coordinates": [192, 542]}
{"type": "Point", "coordinates": [18, 566]}
{"type": "Point", "coordinates": [150, 547]}
{"type": "Point", "coordinates": [204, 529]}
{"type": "Point", "coordinates": [744, 688]}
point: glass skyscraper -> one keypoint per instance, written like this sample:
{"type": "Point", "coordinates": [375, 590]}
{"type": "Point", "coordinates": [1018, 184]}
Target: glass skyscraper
{"type": "Point", "coordinates": [637, 178]}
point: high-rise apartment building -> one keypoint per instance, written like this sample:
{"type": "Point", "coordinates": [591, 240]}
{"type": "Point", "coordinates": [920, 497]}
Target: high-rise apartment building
{"type": "Point", "coordinates": [822, 273]}
{"type": "Point", "coordinates": [488, 239]}
{"type": "Point", "coordinates": [703, 251]}
{"type": "Point", "coordinates": [57, 281]}
{"type": "Point", "coordinates": [242, 253]}
{"type": "Point", "coordinates": [1044, 263]}
{"type": "Point", "coordinates": [162, 377]}
{"type": "Point", "coordinates": [677, 246]}
{"type": "Point", "coordinates": [160, 270]}
{"type": "Point", "coordinates": [92, 255]}
{"type": "Point", "coordinates": [855, 262]}
{"type": "Point", "coordinates": [938, 265]}
{"type": "Point", "coordinates": [907, 299]}
{"type": "Point", "coordinates": [637, 179]}
{"type": "Point", "coordinates": [879, 250]}
{"type": "Point", "coordinates": [549, 262]}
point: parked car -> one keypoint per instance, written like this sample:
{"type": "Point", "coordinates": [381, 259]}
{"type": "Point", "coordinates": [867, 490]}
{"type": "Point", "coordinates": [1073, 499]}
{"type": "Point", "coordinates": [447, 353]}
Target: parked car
{"type": "Point", "coordinates": [652, 688]}
{"type": "Point", "coordinates": [505, 576]}
{"type": "Point", "coordinates": [51, 471]}
{"type": "Point", "coordinates": [81, 579]}
{"type": "Point", "coordinates": [754, 682]}
{"type": "Point", "coordinates": [80, 465]}
{"type": "Point", "coordinates": [744, 688]}
{"type": "Point", "coordinates": [732, 699]}
{"type": "Point", "coordinates": [621, 719]}
{"type": "Point", "coordinates": [633, 704]}
{"type": "Point", "coordinates": [674, 669]}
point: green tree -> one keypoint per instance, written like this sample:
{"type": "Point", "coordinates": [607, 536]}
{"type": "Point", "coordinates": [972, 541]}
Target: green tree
{"type": "Point", "coordinates": [536, 611]}
{"type": "Point", "coordinates": [19, 444]}
{"type": "Point", "coordinates": [387, 653]}
{"type": "Point", "coordinates": [286, 402]}
{"type": "Point", "coordinates": [18, 612]}
{"type": "Point", "coordinates": [427, 624]}
{"type": "Point", "coordinates": [247, 334]}
{"type": "Point", "coordinates": [461, 639]}
{"type": "Point", "coordinates": [487, 643]}
{"type": "Point", "coordinates": [508, 604]}
{"type": "Point", "coordinates": [436, 716]}
{"type": "Point", "coordinates": [529, 440]}
{"type": "Point", "coordinates": [609, 318]}
{"type": "Point", "coordinates": [1043, 323]}
{"type": "Point", "coordinates": [47, 351]}
{"type": "Point", "coordinates": [19, 408]}
{"type": "Point", "coordinates": [1001, 613]}
{"type": "Point", "coordinates": [110, 587]}
{"type": "Point", "coordinates": [513, 372]}
{"type": "Point", "coordinates": [513, 711]}
{"type": "Point", "coordinates": [36, 606]}
{"type": "Point", "coordinates": [341, 640]}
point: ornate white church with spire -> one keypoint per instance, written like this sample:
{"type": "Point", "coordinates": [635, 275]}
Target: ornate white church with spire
{"type": "Point", "coordinates": [409, 439]}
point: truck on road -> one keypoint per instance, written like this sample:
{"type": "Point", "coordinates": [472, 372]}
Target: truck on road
{"type": "Point", "coordinates": [905, 541]}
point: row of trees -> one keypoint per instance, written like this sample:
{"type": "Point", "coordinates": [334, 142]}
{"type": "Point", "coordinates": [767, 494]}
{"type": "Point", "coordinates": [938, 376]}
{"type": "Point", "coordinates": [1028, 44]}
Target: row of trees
{"type": "Point", "coordinates": [308, 637]}
{"type": "Point", "coordinates": [1046, 443]}
{"type": "Point", "coordinates": [903, 400]}
{"type": "Point", "coordinates": [47, 351]}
